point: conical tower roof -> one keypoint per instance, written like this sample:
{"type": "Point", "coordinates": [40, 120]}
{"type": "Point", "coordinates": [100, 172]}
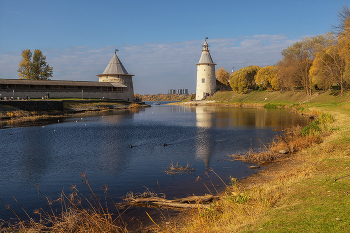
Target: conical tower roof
{"type": "Point", "coordinates": [115, 66]}
{"type": "Point", "coordinates": [206, 57]}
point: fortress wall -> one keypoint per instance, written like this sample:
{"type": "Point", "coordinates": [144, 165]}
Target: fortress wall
{"type": "Point", "coordinates": [34, 105]}
{"type": "Point", "coordinates": [63, 94]}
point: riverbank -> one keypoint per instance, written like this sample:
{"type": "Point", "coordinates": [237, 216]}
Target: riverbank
{"type": "Point", "coordinates": [280, 198]}
{"type": "Point", "coordinates": [305, 192]}
{"type": "Point", "coordinates": [17, 113]}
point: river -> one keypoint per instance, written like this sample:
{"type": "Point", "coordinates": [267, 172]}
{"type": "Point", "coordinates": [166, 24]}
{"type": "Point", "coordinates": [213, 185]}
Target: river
{"type": "Point", "coordinates": [130, 150]}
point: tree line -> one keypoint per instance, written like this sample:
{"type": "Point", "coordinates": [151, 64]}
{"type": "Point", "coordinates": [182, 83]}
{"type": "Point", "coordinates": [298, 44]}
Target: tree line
{"type": "Point", "coordinates": [314, 63]}
{"type": "Point", "coordinates": [161, 97]}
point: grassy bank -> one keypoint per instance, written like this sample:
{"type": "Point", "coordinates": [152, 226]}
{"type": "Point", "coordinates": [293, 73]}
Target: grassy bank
{"type": "Point", "coordinates": [307, 192]}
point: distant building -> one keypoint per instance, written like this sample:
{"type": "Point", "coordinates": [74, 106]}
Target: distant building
{"type": "Point", "coordinates": [206, 80]}
{"type": "Point", "coordinates": [182, 91]}
{"type": "Point", "coordinates": [179, 91]}
{"type": "Point", "coordinates": [171, 91]}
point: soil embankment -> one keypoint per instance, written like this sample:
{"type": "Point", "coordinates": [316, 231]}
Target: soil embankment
{"type": "Point", "coordinates": [21, 112]}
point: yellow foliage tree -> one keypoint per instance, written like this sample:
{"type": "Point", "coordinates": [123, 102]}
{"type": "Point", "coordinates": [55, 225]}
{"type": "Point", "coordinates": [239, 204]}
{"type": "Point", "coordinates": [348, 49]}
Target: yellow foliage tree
{"type": "Point", "coordinates": [332, 64]}
{"type": "Point", "coordinates": [40, 69]}
{"type": "Point", "coordinates": [25, 64]}
{"type": "Point", "coordinates": [222, 75]}
{"type": "Point", "coordinates": [36, 68]}
{"type": "Point", "coordinates": [344, 44]}
{"type": "Point", "coordinates": [267, 77]}
{"type": "Point", "coordinates": [297, 61]}
{"type": "Point", "coordinates": [328, 68]}
{"type": "Point", "coordinates": [244, 79]}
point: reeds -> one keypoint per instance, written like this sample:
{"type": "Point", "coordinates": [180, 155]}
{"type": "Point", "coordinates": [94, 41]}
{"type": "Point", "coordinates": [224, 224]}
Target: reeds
{"type": "Point", "coordinates": [292, 140]}
{"type": "Point", "coordinates": [179, 170]}
{"type": "Point", "coordinates": [77, 213]}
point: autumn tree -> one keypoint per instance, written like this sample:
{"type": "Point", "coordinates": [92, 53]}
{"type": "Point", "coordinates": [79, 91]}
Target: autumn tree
{"type": "Point", "coordinates": [344, 46]}
{"type": "Point", "coordinates": [297, 60]}
{"type": "Point", "coordinates": [222, 75]}
{"type": "Point", "coordinates": [267, 77]}
{"type": "Point", "coordinates": [137, 97]}
{"type": "Point", "coordinates": [328, 68]}
{"type": "Point", "coordinates": [25, 65]}
{"type": "Point", "coordinates": [41, 70]}
{"type": "Point", "coordinates": [244, 79]}
{"type": "Point", "coordinates": [343, 15]}
{"type": "Point", "coordinates": [34, 68]}
{"type": "Point", "coordinates": [332, 64]}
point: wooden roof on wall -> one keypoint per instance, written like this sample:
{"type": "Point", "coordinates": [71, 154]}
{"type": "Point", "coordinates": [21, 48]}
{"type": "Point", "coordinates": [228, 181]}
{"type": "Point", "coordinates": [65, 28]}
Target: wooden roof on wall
{"type": "Point", "coordinates": [59, 83]}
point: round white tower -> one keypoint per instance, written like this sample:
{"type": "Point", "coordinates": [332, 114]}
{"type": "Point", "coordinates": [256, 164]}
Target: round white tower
{"type": "Point", "coordinates": [206, 81]}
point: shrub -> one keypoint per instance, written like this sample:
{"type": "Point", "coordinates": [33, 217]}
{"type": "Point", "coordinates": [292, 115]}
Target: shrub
{"type": "Point", "coordinates": [271, 106]}
{"type": "Point", "coordinates": [318, 125]}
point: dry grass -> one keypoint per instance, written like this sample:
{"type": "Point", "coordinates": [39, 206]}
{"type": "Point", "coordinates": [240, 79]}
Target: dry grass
{"type": "Point", "coordinates": [281, 147]}
{"type": "Point", "coordinates": [178, 170]}
{"type": "Point", "coordinates": [243, 203]}
{"type": "Point", "coordinates": [294, 139]}
{"type": "Point", "coordinates": [77, 213]}
{"type": "Point", "coordinates": [132, 196]}
{"type": "Point", "coordinates": [134, 105]}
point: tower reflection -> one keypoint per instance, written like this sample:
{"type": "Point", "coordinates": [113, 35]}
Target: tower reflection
{"type": "Point", "coordinates": [205, 119]}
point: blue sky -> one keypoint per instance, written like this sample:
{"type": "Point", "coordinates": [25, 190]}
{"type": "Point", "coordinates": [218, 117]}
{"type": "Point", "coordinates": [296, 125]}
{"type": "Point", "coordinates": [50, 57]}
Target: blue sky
{"type": "Point", "coordinates": [159, 41]}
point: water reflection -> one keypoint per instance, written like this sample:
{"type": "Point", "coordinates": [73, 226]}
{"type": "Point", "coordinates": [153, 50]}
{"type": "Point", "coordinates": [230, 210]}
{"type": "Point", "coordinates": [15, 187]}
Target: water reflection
{"type": "Point", "coordinates": [208, 117]}
{"type": "Point", "coordinates": [204, 120]}
{"type": "Point", "coordinates": [237, 117]}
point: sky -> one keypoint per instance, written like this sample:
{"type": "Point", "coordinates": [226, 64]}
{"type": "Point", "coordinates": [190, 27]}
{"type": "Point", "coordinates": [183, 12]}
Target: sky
{"type": "Point", "coordinates": [159, 41]}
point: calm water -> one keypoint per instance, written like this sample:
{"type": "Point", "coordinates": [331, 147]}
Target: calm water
{"type": "Point", "coordinates": [53, 156]}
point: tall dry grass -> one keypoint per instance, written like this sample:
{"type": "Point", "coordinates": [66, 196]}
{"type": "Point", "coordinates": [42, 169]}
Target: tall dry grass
{"type": "Point", "coordinates": [292, 140]}
{"type": "Point", "coordinates": [77, 213]}
{"type": "Point", "coordinates": [240, 206]}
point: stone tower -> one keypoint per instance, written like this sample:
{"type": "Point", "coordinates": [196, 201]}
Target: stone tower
{"type": "Point", "coordinates": [206, 80]}
{"type": "Point", "coordinates": [116, 73]}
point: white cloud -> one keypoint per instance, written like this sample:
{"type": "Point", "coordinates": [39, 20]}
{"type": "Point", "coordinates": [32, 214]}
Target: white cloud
{"type": "Point", "coordinates": [9, 65]}
{"type": "Point", "coordinates": [157, 66]}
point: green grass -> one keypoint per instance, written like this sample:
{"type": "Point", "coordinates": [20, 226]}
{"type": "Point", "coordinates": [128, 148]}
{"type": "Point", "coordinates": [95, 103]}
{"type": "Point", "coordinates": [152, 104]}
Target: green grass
{"type": "Point", "coordinates": [272, 106]}
{"type": "Point", "coordinates": [317, 126]}
{"type": "Point", "coordinates": [319, 204]}
{"type": "Point", "coordinates": [285, 98]}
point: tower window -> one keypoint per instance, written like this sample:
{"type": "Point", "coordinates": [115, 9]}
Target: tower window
{"type": "Point", "coordinates": [203, 80]}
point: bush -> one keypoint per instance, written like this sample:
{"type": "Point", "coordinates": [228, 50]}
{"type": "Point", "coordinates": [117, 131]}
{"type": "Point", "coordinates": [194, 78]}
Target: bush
{"type": "Point", "coordinates": [271, 106]}
{"type": "Point", "coordinates": [318, 125]}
